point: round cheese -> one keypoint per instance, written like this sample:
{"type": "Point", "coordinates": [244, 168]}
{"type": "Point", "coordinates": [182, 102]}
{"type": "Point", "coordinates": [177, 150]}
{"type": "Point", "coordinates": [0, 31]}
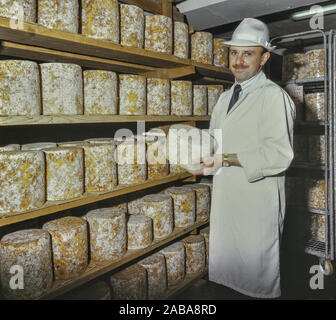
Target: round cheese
{"type": "Point", "coordinates": [129, 283]}
{"type": "Point", "coordinates": [159, 207]}
{"type": "Point", "coordinates": [315, 63]}
{"type": "Point", "coordinates": [108, 237]}
{"type": "Point", "coordinates": [314, 106]}
{"type": "Point", "coordinates": [100, 19]}
{"type": "Point", "coordinates": [200, 99]}
{"type": "Point", "coordinates": [134, 206]}
{"type": "Point", "coordinates": [221, 53]}
{"type": "Point", "coordinates": [202, 47]}
{"type": "Point", "coordinates": [181, 98]}
{"type": "Point", "coordinates": [27, 251]}
{"type": "Point", "coordinates": [19, 9]}
{"type": "Point", "coordinates": [315, 193]}
{"type": "Point", "coordinates": [175, 262]}
{"type": "Point", "coordinates": [214, 92]}
{"type": "Point", "coordinates": [157, 166]}
{"type": "Point", "coordinates": [59, 14]}
{"type": "Point", "coordinates": [195, 254]}
{"type": "Point", "coordinates": [62, 88]}
{"type": "Point", "coordinates": [100, 92]}
{"type": "Point", "coordinates": [156, 275]}
{"type": "Point", "coordinates": [139, 232]}
{"type": "Point", "coordinates": [181, 40]}
{"type": "Point", "coordinates": [294, 66]}
{"type": "Point", "coordinates": [132, 93]}
{"type": "Point", "coordinates": [159, 34]}
{"type": "Point", "coordinates": [22, 181]}
{"type": "Point", "coordinates": [20, 92]}
{"type": "Point", "coordinates": [64, 173]}
{"type": "Point", "coordinates": [202, 193]}
{"type": "Point", "coordinates": [132, 26]}
{"type": "Point", "coordinates": [158, 97]}
{"type": "Point", "coordinates": [69, 239]}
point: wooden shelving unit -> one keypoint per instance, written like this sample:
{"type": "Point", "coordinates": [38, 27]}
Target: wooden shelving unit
{"type": "Point", "coordinates": [33, 42]}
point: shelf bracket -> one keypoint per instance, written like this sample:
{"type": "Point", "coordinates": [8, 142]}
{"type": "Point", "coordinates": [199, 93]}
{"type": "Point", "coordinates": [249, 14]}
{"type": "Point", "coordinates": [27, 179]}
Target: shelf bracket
{"type": "Point", "coordinates": [171, 73]}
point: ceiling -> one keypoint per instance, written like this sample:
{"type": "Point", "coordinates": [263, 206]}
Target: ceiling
{"type": "Point", "coordinates": [221, 17]}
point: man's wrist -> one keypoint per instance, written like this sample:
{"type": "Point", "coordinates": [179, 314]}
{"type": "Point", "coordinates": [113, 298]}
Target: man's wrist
{"type": "Point", "coordinates": [225, 160]}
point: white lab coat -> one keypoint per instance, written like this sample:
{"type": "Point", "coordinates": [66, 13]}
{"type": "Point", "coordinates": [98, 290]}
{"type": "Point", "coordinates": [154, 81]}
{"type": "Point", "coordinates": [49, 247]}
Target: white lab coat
{"type": "Point", "coordinates": [248, 202]}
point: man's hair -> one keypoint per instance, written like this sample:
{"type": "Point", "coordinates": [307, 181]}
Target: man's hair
{"type": "Point", "coordinates": [264, 51]}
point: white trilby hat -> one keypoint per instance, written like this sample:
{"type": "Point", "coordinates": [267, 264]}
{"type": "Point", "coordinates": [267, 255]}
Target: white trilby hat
{"type": "Point", "coordinates": [251, 32]}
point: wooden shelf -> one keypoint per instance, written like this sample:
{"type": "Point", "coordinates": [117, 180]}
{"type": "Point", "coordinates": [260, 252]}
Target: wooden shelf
{"type": "Point", "coordinates": [57, 206]}
{"type": "Point", "coordinates": [73, 119]}
{"type": "Point", "coordinates": [95, 269]}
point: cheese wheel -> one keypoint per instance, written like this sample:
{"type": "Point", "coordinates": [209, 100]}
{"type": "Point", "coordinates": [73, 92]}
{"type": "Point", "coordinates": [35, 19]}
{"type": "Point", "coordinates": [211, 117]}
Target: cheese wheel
{"type": "Point", "coordinates": [100, 19]}
{"type": "Point", "coordinates": [132, 26]}
{"type": "Point", "coordinates": [314, 106]}
{"type": "Point", "coordinates": [200, 100]}
{"type": "Point", "coordinates": [132, 167]}
{"type": "Point", "coordinates": [315, 63]}
{"type": "Point", "coordinates": [38, 146]}
{"type": "Point", "coordinates": [181, 40]}
{"type": "Point", "coordinates": [22, 181]}
{"type": "Point", "coordinates": [158, 97]}
{"type": "Point", "coordinates": [69, 239]}
{"type": "Point", "coordinates": [205, 233]}
{"type": "Point", "coordinates": [62, 88]}
{"type": "Point", "coordinates": [195, 254]}
{"type": "Point", "coordinates": [98, 290]}
{"type": "Point", "coordinates": [30, 251]}
{"type": "Point", "coordinates": [100, 92]}
{"type": "Point", "coordinates": [157, 166]}
{"type": "Point", "coordinates": [129, 283]}
{"type": "Point", "coordinates": [64, 173]}
{"type": "Point", "coordinates": [207, 182]}
{"type": "Point", "coordinates": [19, 9]}
{"type": "Point", "coordinates": [139, 232]}
{"type": "Point", "coordinates": [202, 193]}
{"type": "Point", "coordinates": [214, 92]}
{"type": "Point", "coordinates": [317, 227]}
{"type": "Point", "coordinates": [10, 147]}
{"type": "Point", "coordinates": [20, 92]}
{"type": "Point", "coordinates": [132, 93]}
{"type": "Point", "coordinates": [156, 275]}
{"type": "Point", "coordinates": [61, 15]}
{"type": "Point", "coordinates": [220, 53]}
{"type": "Point", "coordinates": [294, 66]}
{"type": "Point", "coordinates": [175, 169]}
{"type": "Point", "coordinates": [184, 206]}
{"type": "Point", "coordinates": [202, 47]}
{"type": "Point", "coordinates": [134, 206]}
{"type": "Point", "coordinates": [159, 34]}
{"type": "Point", "coordinates": [315, 193]}
{"type": "Point", "coordinates": [159, 207]}
{"type": "Point", "coordinates": [317, 149]}
{"type": "Point", "coordinates": [107, 233]}
{"type": "Point", "coordinates": [301, 147]}
{"type": "Point", "coordinates": [181, 98]}
{"type": "Point", "coordinates": [175, 262]}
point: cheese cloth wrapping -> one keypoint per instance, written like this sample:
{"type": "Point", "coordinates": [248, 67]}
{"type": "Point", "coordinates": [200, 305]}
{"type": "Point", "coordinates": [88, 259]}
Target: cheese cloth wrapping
{"type": "Point", "coordinates": [248, 202]}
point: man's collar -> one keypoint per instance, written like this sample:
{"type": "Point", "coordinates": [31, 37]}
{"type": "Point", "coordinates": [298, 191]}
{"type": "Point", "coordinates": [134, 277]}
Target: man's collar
{"type": "Point", "coordinates": [247, 83]}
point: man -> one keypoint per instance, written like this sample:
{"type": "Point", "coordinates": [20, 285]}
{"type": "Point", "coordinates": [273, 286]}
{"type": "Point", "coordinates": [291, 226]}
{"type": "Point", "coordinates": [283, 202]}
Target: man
{"type": "Point", "coordinates": [248, 203]}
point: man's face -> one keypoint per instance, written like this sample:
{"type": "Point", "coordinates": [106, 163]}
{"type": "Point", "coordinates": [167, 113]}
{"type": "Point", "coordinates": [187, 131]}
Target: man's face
{"type": "Point", "coordinates": [246, 62]}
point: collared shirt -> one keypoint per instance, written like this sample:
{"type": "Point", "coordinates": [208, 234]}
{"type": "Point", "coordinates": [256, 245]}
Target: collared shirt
{"type": "Point", "coordinates": [247, 84]}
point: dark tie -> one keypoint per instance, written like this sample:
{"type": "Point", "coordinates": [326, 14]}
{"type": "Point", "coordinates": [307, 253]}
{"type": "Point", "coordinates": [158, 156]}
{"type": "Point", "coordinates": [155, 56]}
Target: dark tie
{"type": "Point", "coordinates": [235, 96]}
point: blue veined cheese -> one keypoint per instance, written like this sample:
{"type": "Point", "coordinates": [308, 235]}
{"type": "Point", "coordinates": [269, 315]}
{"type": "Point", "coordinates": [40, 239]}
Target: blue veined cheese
{"type": "Point", "coordinates": [220, 53]}
{"type": "Point", "coordinates": [64, 173]}
{"type": "Point", "coordinates": [195, 254]}
{"type": "Point", "coordinates": [156, 275]}
{"type": "Point", "coordinates": [134, 206]}
{"type": "Point", "coordinates": [19, 9]}
{"type": "Point", "coordinates": [159, 208]}
{"type": "Point", "coordinates": [158, 96]}
{"type": "Point", "coordinates": [61, 15]}
{"type": "Point", "coordinates": [22, 181]}
{"type": "Point", "coordinates": [100, 19]}
{"type": "Point", "coordinates": [20, 92]}
{"type": "Point", "coordinates": [175, 262]}
{"type": "Point", "coordinates": [108, 233]}
{"type": "Point", "coordinates": [69, 238]}
{"type": "Point", "coordinates": [202, 193]}
{"type": "Point", "coordinates": [214, 92]}
{"type": "Point", "coordinates": [181, 98]}
{"type": "Point", "coordinates": [132, 23]}
{"type": "Point", "coordinates": [157, 163]}
{"type": "Point", "coordinates": [31, 250]}
{"type": "Point", "coordinates": [202, 47]}
{"type": "Point", "coordinates": [181, 40]}
{"type": "Point", "coordinates": [159, 34]}
{"type": "Point", "coordinates": [200, 100]}
{"type": "Point", "coordinates": [129, 283]}
{"type": "Point", "coordinates": [315, 63]}
{"type": "Point", "coordinates": [62, 89]}
{"type": "Point", "coordinates": [132, 94]}
{"type": "Point", "coordinates": [139, 232]}
{"type": "Point", "coordinates": [100, 92]}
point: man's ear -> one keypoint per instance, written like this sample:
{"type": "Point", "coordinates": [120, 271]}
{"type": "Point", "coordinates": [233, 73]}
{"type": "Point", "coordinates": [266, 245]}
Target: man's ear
{"type": "Point", "coordinates": [264, 58]}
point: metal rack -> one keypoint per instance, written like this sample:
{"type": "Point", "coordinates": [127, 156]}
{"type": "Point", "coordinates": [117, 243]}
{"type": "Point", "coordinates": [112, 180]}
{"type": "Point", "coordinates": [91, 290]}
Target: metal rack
{"type": "Point", "coordinates": [325, 251]}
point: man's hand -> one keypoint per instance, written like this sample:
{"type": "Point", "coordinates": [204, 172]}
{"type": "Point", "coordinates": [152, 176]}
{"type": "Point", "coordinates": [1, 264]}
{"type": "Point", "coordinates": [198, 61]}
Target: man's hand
{"type": "Point", "coordinates": [212, 164]}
